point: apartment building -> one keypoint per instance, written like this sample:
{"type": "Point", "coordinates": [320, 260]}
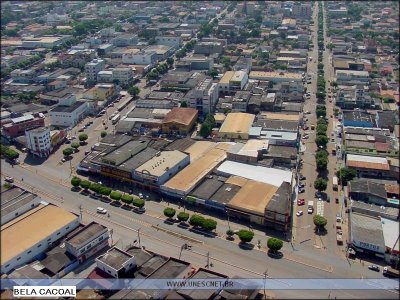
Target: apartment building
{"type": "Point", "coordinates": [203, 97]}
{"type": "Point", "coordinates": [92, 69]}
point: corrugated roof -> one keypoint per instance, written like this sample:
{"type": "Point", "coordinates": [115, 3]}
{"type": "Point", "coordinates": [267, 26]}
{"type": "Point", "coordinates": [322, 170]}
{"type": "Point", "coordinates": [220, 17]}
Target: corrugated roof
{"type": "Point", "coordinates": [237, 123]}
{"type": "Point", "coordinates": [182, 115]}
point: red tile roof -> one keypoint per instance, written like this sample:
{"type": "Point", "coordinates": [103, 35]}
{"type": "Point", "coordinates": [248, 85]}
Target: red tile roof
{"type": "Point", "coordinates": [181, 115]}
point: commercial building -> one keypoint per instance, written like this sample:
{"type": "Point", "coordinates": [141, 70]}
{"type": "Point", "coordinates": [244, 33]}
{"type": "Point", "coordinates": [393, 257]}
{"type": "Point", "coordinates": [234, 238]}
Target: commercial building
{"type": "Point", "coordinates": [124, 40]}
{"type": "Point", "coordinates": [162, 167]}
{"type": "Point", "coordinates": [370, 166]}
{"type": "Point", "coordinates": [180, 120]}
{"type": "Point", "coordinates": [136, 57]}
{"type": "Point", "coordinates": [19, 125]}
{"type": "Point", "coordinates": [15, 202]}
{"type": "Point", "coordinates": [301, 10]}
{"type": "Point", "coordinates": [116, 262]}
{"type": "Point", "coordinates": [162, 51]}
{"type": "Point", "coordinates": [358, 118]}
{"type": "Point", "coordinates": [232, 81]}
{"type": "Point", "coordinates": [275, 77]}
{"type": "Point", "coordinates": [194, 63]}
{"type": "Point", "coordinates": [186, 180]}
{"type": "Point", "coordinates": [92, 69]}
{"type": "Point", "coordinates": [38, 141]}
{"type": "Point", "coordinates": [203, 97]}
{"type": "Point", "coordinates": [171, 41]}
{"type": "Point", "coordinates": [236, 126]}
{"type": "Point", "coordinates": [68, 115]}
{"type": "Point", "coordinates": [25, 237]}
{"type": "Point", "coordinates": [87, 241]}
{"type": "Point", "coordinates": [181, 81]}
{"type": "Point", "coordinates": [346, 76]}
{"type": "Point", "coordinates": [208, 48]}
{"type": "Point", "coordinates": [373, 191]}
{"type": "Point", "coordinates": [47, 42]}
{"type": "Point", "coordinates": [123, 75]}
{"type": "Point", "coordinates": [249, 152]}
{"type": "Point", "coordinates": [366, 235]}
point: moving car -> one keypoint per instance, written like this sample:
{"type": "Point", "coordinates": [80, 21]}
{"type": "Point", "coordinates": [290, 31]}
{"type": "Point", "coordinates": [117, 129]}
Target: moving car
{"type": "Point", "coordinates": [299, 213]}
{"type": "Point", "coordinates": [101, 210]}
{"type": "Point", "coordinates": [374, 268]}
{"type": "Point", "coordinates": [310, 210]}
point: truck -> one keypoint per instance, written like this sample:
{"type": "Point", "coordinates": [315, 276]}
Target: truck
{"type": "Point", "coordinates": [391, 272]}
{"type": "Point", "coordinates": [310, 207]}
{"type": "Point", "coordinates": [115, 119]}
{"type": "Point", "coordinates": [335, 183]}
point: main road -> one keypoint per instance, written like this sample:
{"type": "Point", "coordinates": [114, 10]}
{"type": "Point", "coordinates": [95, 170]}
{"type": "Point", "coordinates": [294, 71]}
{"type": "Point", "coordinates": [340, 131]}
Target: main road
{"type": "Point", "coordinates": [227, 257]}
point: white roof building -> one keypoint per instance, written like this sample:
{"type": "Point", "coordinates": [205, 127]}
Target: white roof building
{"type": "Point", "coordinates": [270, 176]}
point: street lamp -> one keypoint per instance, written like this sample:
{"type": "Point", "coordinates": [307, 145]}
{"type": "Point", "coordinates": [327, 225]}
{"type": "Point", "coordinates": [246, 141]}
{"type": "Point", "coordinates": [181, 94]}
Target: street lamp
{"type": "Point", "coordinates": [138, 233]}
{"type": "Point", "coordinates": [265, 282]}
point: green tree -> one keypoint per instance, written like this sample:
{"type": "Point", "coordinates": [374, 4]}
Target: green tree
{"type": "Point", "coordinates": [104, 190]}
{"type": "Point", "coordinates": [169, 212]}
{"type": "Point", "coordinates": [319, 221]}
{"type": "Point", "coordinates": [11, 154]}
{"type": "Point", "coordinates": [127, 199]}
{"type": "Point", "coordinates": [209, 224]}
{"type": "Point", "coordinates": [230, 233]}
{"type": "Point", "coordinates": [75, 145]}
{"type": "Point", "coordinates": [196, 220]}
{"type": "Point", "coordinates": [322, 163]}
{"type": "Point", "coordinates": [321, 129]}
{"type": "Point", "coordinates": [321, 140]}
{"type": "Point", "coordinates": [138, 202]}
{"type": "Point", "coordinates": [68, 151]}
{"type": "Point", "coordinates": [170, 61]}
{"type": "Point", "coordinates": [183, 216]}
{"type": "Point", "coordinates": [245, 235]}
{"type": "Point", "coordinates": [346, 174]}
{"type": "Point", "coordinates": [274, 244]}
{"type": "Point", "coordinates": [115, 195]}
{"type": "Point", "coordinates": [184, 104]}
{"type": "Point", "coordinates": [83, 137]}
{"type": "Point", "coordinates": [85, 184]}
{"type": "Point", "coordinates": [95, 187]}
{"type": "Point", "coordinates": [320, 184]}
{"type": "Point", "coordinates": [210, 120]}
{"type": "Point", "coordinates": [205, 130]}
{"type": "Point", "coordinates": [103, 134]}
{"type": "Point", "coordinates": [76, 181]}
{"type": "Point", "coordinates": [134, 91]}
{"type": "Point", "coordinates": [213, 73]}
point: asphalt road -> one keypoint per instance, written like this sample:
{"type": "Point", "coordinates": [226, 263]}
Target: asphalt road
{"type": "Point", "coordinates": [299, 262]}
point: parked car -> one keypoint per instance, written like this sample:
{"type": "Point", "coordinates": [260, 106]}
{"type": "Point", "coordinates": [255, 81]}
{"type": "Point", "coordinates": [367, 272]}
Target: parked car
{"type": "Point", "coordinates": [303, 177]}
{"type": "Point", "coordinates": [81, 129]}
{"type": "Point", "coordinates": [302, 190]}
{"type": "Point", "coordinates": [101, 210]}
{"type": "Point", "coordinates": [299, 213]}
{"type": "Point", "coordinates": [374, 268]}
{"type": "Point", "coordinates": [337, 200]}
{"type": "Point", "coordinates": [301, 185]}
{"type": "Point", "coordinates": [318, 194]}
{"type": "Point", "coordinates": [140, 196]}
{"type": "Point", "coordinates": [67, 142]}
{"type": "Point", "coordinates": [300, 201]}
{"type": "Point", "coordinates": [310, 210]}
{"type": "Point", "coordinates": [9, 179]}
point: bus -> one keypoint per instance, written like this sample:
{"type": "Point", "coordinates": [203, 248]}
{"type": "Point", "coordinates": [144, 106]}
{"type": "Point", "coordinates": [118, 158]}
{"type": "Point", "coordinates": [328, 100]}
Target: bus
{"type": "Point", "coordinates": [115, 119]}
{"type": "Point", "coordinates": [335, 183]}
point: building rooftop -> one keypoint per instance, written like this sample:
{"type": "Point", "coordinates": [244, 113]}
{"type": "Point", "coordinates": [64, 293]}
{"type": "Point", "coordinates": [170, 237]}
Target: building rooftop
{"type": "Point", "coordinates": [362, 185]}
{"type": "Point", "coordinates": [237, 123]}
{"type": "Point", "coordinates": [171, 269]}
{"type": "Point", "coordinates": [68, 109]}
{"type": "Point", "coordinates": [367, 162]}
{"type": "Point", "coordinates": [199, 148]}
{"type": "Point", "coordinates": [124, 152]}
{"type": "Point", "coordinates": [14, 198]}
{"type": "Point", "coordinates": [115, 258]}
{"type": "Point", "coordinates": [24, 232]}
{"type": "Point", "coordinates": [227, 77]}
{"type": "Point", "coordinates": [181, 115]}
{"type": "Point", "coordinates": [253, 196]}
{"type": "Point", "coordinates": [86, 233]}
{"type": "Point", "coordinates": [201, 293]}
{"type": "Point", "coordinates": [390, 230]}
{"type": "Point", "coordinates": [180, 144]}
{"type": "Point", "coordinates": [139, 159]}
{"type": "Point", "coordinates": [186, 179]}
{"type": "Point", "coordinates": [141, 256]}
{"type": "Point", "coordinates": [286, 75]}
{"type": "Point", "coordinates": [269, 176]}
{"type": "Point", "coordinates": [207, 188]}
{"type": "Point", "coordinates": [368, 230]}
{"type": "Point", "coordinates": [162, 162]}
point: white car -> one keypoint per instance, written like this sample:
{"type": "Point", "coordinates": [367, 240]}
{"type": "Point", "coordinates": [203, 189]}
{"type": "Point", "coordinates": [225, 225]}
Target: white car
{"type": "Point", "coordinates": [299, 213]}
{"type": "Point", "coordinates": [310, 210]}
{"type": "Point", "coordinates": [9, 179]}
{"type": "Point", "coordinates": [141, 196]}
{"type": "Point", "coordinates": [101, 210]}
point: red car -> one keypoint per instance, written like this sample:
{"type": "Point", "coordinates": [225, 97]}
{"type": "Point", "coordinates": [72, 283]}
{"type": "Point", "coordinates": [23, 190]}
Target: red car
{"type": "Point", "coordinates": [300, 202]}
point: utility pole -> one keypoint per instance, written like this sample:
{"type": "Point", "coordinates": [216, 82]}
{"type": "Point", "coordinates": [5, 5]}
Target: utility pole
{"type": "Point", "coordinates": [138, 233]}
{"type": "Point", "coordinates": [80, 212]}
{"type": "Point", "coordinates": [208, 260]}
{"type": "Point", "coordinates": [265, 282]}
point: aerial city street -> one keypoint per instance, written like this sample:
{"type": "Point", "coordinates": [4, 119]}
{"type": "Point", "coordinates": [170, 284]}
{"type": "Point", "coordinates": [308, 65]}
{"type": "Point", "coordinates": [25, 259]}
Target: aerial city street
{"type": "Point", "coordinates": [201, 141]}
